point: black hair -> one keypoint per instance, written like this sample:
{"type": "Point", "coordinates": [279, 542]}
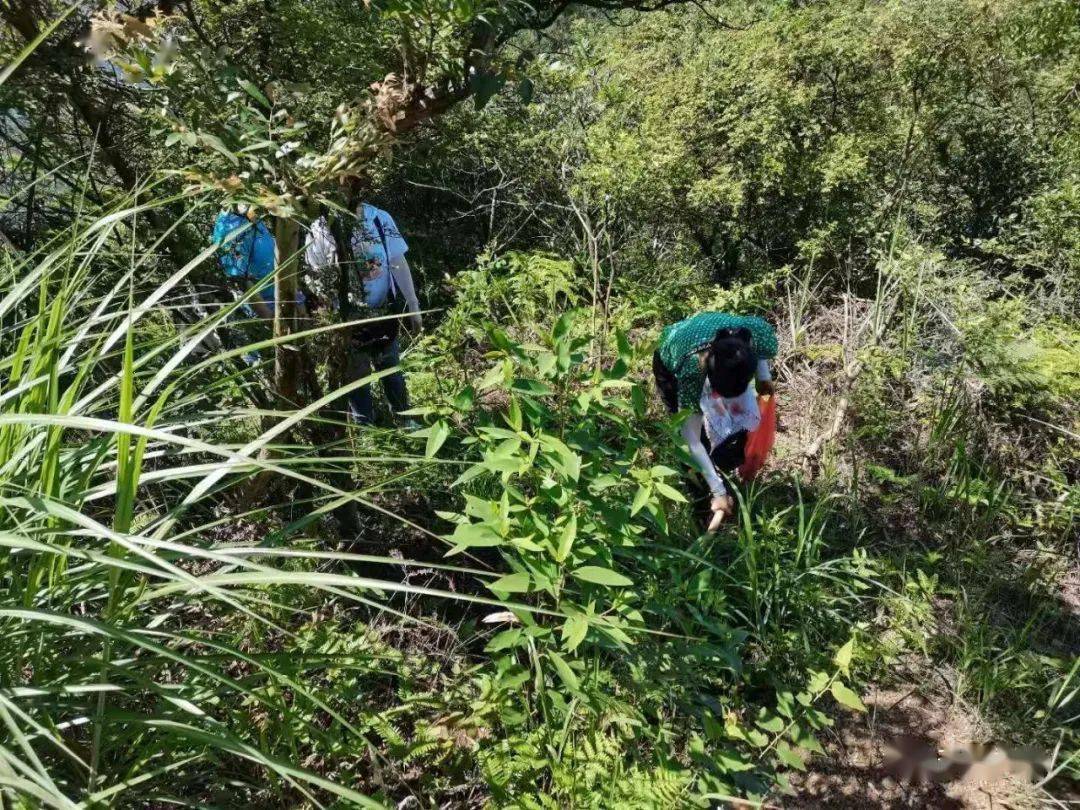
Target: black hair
{"type": "Point", "coordinates": [730, 362]}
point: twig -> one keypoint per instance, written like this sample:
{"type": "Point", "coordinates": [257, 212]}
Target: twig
{"type": "Point", "coordinates": [851, 374]}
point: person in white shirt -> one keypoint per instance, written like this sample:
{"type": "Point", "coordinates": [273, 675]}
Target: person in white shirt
{"type": "Point", "coordinates": [376, 281]}
{"type": "Point", "coordinates": [706, 365]}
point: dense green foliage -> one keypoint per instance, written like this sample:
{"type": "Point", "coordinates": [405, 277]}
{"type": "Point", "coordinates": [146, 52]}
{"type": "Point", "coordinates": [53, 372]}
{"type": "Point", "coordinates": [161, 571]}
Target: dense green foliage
{"type": "Point", "coordinates": [526, 613]}
{"type": "Point", "coordinates": [804, 136]}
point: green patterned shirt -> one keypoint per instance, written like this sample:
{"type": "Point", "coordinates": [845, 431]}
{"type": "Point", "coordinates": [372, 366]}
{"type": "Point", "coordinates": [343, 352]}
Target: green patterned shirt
{"type": "Point", "coordinates": [680, 342]}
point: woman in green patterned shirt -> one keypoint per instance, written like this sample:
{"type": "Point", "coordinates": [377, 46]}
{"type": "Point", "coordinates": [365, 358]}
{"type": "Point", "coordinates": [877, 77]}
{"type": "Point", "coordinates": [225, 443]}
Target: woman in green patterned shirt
{"type": "Point", "coordinates": [705, 364]}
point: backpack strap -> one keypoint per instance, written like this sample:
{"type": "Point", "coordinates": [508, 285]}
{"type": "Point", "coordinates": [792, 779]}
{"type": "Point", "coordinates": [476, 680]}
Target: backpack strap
{"type": "Point", "coordinates": [386, 252]}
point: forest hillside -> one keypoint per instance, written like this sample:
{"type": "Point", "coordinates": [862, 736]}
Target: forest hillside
{"type": "Point", "coordinates": [335, 467]}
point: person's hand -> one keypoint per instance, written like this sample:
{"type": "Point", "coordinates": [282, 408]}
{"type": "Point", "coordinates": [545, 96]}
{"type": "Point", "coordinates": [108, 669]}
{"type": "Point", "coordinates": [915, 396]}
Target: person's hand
{"type": "Point", "coordinates": [416, 323]}
{"type": "Point", "coordinates": [766, 388]}
{"type": "Point", "coordinates": [721, 506]}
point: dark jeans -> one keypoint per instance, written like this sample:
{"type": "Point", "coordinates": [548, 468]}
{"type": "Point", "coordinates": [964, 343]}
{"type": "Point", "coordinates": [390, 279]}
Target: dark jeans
{"type": "Point", "coordinates": [360, 363]}
{"type": "Point", "coordinates": [727, 455]}
{"type": "Point", "coordinates": [666, 383]}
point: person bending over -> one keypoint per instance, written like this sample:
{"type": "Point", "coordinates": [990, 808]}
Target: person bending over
{"type": "Point", "coordinates": [706, 364]}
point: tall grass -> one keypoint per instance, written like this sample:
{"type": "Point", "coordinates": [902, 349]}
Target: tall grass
{"type": "Point", "coordinates": [137, 639]}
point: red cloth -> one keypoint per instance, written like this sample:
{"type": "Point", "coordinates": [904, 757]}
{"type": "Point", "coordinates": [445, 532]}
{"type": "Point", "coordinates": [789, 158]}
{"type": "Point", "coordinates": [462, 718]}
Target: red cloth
{"type": "Point", "coordinates": [760, 442]}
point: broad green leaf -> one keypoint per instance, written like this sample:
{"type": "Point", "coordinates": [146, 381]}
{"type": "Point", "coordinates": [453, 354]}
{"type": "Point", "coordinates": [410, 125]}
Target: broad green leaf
{"type": "Point", "coordinates": [566, 539]}
{"type": "Point", "coordinates": [669, 492]}
{"type": "Point", "coordinates": [495, 375]}
{"type": "Point", "coordinates": [473, 535]}
{"type": "Point", "coordinates": [530, 386]}
{"type": "Point", "coordinates": [641, 497]}
{"type": "Point", "coordinates": [485, 85]}
{"type": "Point", "coordinates": [773, 724]}
{"type": "Point", "coordinates": [805, 739]}
{"type": "Point", "coordinates": [606, 481]}
{"type": "Point", "coordinates": [731, 761]}
{"type": "Point", "coordinates": [818, 682]}
{"type": "Point", "coordinates": [439, 433]}
{"type": "Point", "coordinates": [513, 415]}
{"type": "Point", "coordinates": [638, 400]}
{"type": "Point", "coordinates": [758, 739]}
{"type": "Point", "coordinates": [846, 697]}
{"type": "Point", "coordinates": [469, 474]}
{"type": "Point", "coordinates": [842, 659]}
{"type": "Point", "coordinates": [713, 730]}
{"type": "Point", "coordinates": [512, 583]}
{"type": "Point", "coordinates": [562, 326]}
{"type": "Point", "coordinates": [789, 757]}
{"type": "Point", "coordinates": [545, 364]}
{"type": "Point", "coordinates": [255, 93]}
{"type": "Point", "coordinates": [565, 673]}
{"type": "Point", "coordinates": [601, 576]}
{"type": "Point", "coordinates": [215, 143]}
{"type": "Point", "coordinates": [528, 544]}
{"type": "Point", "coordinates": [574, 631]}
{"type": "Point", "coordinates": [785, 704]}
{"type": "Point", "coordinates": [504, 640]}
{"type": "Point", "coordinates": [563, 458]}
{"type": "Point", "coordinates": [504, 458]}
{"type": "Point", "coordinates": [465, 399]}
{"type": "Point", "coordinates": [481, 509]}
{"type": "Point", "coordinates": [498, 432]}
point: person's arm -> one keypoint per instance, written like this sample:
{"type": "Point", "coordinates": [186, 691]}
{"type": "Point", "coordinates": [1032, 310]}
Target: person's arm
{"type": "Point", "coordinates": [691, 432]}
{"type": "Point", "coordinates": [402, 273]}
{"type": "Point", "coordinates": [722, 503]}
{"type": "Point", "coordinates": [396, 248]}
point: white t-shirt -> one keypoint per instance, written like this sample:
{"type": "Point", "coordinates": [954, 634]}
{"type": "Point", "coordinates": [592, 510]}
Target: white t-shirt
{"type": "Point", "coordinates": [369, 251]}
{"type": "Point", "coordinates": [726, 415]}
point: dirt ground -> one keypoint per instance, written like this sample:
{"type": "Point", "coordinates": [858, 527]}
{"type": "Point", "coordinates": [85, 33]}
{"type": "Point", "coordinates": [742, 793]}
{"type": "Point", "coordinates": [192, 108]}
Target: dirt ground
{"type": "Point", "coordinates": [859, 771]}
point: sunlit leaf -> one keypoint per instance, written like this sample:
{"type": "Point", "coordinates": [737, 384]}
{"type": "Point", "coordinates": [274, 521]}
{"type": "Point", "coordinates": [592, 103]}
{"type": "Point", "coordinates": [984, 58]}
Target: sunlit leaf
{"type": "Point", "coordinates": [842, 659]}
{"type": "Point", "coordinates": [601, 576]}
{"type": "Point", "coordinates": [512, 583]}
{"type": "Point", "coordinates": [439, 433]}
{"type": "Point", "coordinates": [473, 535]}
{"type": "Point", "coordinates": [574, 631]}
{"type": "Point", "coordinates": [669, 492]}
{"type": "Point", "coordinates": [641, 497]}
{"type": "Point", "coordinates": [789, 757]}
{"type": "Point", "coordinates": [215, 143]}
{"type": "Point", "coordinates": [504, 640]}
{"type": "Point", "coordinates": [566, 539]}
{"type": "Point", "coordinates": [846, 697]}
{"type": "Point", "coordinates": [566, 674]}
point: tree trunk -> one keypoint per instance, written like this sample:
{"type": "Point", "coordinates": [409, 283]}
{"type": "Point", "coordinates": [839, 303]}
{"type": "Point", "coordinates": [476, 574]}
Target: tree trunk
{"type": "Point", "coordinates": [287, 358]}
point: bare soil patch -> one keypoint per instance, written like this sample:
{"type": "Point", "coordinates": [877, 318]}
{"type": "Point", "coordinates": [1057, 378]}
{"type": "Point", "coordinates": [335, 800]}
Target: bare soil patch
{"type": "Point", "coordinates": [859, 772]}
